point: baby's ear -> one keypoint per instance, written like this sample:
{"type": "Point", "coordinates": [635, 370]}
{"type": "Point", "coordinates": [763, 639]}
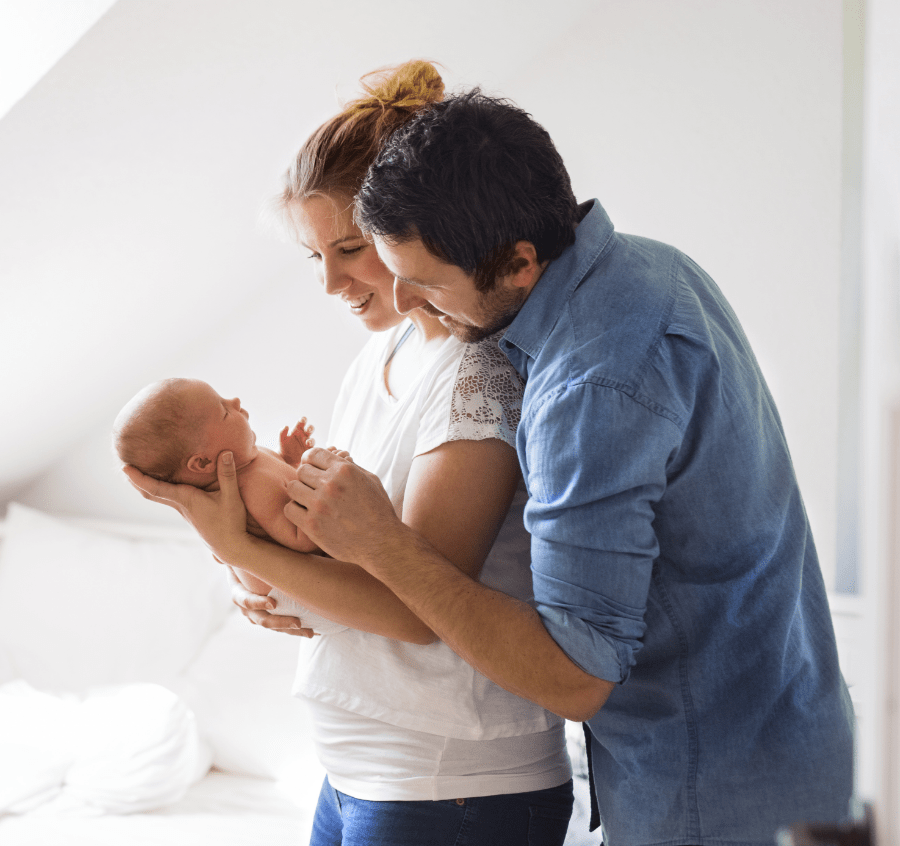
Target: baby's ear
{"type": "Point", "coordinates": [200, 463]}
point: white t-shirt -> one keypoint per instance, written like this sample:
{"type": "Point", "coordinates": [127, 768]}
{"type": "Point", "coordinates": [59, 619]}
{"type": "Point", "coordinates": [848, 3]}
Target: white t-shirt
{"type": "Point", "coordinates": [432, 720]}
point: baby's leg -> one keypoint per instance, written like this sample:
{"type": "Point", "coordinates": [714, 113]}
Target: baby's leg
{"type": "Point", "coordinates": [251, 582]}
{"type": "Point", "coordinates": [287, 606]}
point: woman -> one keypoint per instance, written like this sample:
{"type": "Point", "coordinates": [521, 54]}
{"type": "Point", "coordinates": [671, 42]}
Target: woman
{"type": "Point", "coordinates": [418, 747]}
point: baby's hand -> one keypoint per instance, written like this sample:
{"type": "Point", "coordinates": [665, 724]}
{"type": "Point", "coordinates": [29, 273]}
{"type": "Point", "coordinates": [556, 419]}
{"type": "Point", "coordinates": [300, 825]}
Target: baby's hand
{"type": "Point", "coordinates": [341, 453]}
{"type": "Point", "coordinates": [295, 442]}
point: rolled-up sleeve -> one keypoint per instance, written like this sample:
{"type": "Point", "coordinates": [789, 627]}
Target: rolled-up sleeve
{"type": "Point", "coordinates": [595, 460]}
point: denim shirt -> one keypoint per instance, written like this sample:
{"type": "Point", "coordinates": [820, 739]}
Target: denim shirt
{"type": "Point", "coordinates": [671, 551]}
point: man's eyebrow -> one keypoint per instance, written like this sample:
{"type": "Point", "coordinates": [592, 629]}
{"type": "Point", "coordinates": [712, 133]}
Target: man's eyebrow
{"type": "Point", "coordinates": [406, 281]}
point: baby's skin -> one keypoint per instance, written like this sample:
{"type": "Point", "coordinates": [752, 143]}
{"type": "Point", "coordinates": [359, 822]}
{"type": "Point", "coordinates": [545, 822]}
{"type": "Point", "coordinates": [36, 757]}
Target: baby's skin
{"type": "Point", "coordinates": [261, 475]}
{"type": "Point", "coordinates": [261, 482]}
{"type": "Point", "coordinates": [216, 425]}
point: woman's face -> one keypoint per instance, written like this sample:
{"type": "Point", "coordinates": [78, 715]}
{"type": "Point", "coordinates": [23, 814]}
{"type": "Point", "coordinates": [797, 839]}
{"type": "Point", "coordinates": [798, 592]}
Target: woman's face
{"type": "Point", "coordinates": [345, 262]}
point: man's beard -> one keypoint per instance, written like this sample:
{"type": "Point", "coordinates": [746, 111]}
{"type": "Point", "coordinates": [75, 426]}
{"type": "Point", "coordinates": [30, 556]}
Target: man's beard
{"type": "Point", "coordinates": [499, 308]}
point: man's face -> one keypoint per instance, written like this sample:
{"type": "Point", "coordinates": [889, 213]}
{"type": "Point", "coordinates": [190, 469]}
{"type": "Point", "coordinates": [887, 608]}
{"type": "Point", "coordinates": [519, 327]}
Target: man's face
{"type": "Point", "coordinates": [447, 292]}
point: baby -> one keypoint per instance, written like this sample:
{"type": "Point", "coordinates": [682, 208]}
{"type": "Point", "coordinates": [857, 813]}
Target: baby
{"type": "Point", "coordinates": [174, 431]}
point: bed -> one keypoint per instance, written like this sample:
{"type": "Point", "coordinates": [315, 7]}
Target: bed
{"type": "Point", "coordinates": [138, 706]}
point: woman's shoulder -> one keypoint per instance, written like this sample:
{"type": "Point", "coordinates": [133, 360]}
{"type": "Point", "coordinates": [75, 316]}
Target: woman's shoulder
{"type": "Point", "coordinates": [484, 366]}
{"type": "Point", "coordinates": [487, 394]}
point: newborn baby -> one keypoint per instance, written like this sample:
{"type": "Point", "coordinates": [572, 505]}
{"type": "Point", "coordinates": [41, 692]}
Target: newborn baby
{"type": "Point", "coordinates": [174, 431]}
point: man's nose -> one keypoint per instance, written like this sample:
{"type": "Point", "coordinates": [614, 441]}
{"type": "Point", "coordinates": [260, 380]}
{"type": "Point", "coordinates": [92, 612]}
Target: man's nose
{"type": "Point", "coordinates": [405, 297]}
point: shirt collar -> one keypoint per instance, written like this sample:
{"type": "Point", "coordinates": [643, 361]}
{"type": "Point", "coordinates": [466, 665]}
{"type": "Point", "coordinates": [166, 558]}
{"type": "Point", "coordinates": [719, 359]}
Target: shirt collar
{"type": "Point", "coordinates": [526, 335]}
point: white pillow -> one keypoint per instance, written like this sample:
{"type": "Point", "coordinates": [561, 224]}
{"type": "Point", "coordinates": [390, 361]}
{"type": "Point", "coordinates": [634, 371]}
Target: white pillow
{"type": "Point", "coordinates": [80, 607]}
{"type": "Point", "coordinates": [36, 737]}
{"type": "Point", "coordinates": [139, 749]}
{"type": "Point", "coordinates": [240, 689]}
{"type": "Point", "coordinates": [119, 750]}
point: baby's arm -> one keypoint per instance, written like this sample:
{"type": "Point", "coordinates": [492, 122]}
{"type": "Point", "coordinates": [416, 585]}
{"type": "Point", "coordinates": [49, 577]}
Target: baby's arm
{"type": "Point", "coordinates": [294, 442]}
{"type": "Point", "coordinates": [282, 530]}
{"type": "Point", "coordinates": [265, 498]}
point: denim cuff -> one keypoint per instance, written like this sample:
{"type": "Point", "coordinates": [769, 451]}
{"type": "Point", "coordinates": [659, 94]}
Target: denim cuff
{"type": "Point", "coordinates": [593, 652]}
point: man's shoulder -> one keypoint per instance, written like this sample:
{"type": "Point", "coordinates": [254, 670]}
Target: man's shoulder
{"type": "Point", "coordinates": [617, 313]}
{"type": "Point", "coordinates": [616, 329]}
{"type": "Point", "coordinates": [637, 276]}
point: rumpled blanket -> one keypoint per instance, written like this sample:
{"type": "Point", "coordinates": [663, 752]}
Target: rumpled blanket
{"type": "Point", "coordinates": [115, 750]}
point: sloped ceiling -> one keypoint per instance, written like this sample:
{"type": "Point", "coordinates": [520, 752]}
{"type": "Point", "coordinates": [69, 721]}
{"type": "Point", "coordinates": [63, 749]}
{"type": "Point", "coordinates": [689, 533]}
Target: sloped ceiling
{"type": "Point", "coordinates": [34, 34]}
{"type": "Point", "coordinates": [131, 176]}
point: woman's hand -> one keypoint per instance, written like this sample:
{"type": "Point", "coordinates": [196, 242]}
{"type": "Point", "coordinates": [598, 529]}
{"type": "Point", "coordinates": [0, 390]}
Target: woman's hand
{"type": "Point", "coordinates": [218, 517]}
{"type": "Point", "coordinates": [294, 442]}
{"type": "Point", "coordinates": [256, 609]}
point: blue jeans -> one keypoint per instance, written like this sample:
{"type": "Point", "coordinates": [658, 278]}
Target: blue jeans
{"type": "Point", "coordinates": [537, 818]}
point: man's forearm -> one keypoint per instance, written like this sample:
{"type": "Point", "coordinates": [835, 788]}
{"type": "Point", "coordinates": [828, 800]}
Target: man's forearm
{"type": "Point", "coordinates": [500, 636]}
{"type": "Point", "coordinates": [340, 591]}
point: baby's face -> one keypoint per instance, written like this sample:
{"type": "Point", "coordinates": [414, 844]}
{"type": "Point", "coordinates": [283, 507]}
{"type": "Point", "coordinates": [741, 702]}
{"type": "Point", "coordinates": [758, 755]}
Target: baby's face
{"type": "Point", "coordinates": [225, 424]}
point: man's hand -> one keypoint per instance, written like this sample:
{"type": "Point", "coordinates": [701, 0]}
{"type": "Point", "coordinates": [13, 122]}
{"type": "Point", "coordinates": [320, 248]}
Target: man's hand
{"type": "Point", "coordinates": [343, 508]}
{"type": "Point", "coordinates": [294, 442]}
{"type": "Point", "coordinates": [257, 609]}
{"type": "Point", "coordinates": [218, 517]}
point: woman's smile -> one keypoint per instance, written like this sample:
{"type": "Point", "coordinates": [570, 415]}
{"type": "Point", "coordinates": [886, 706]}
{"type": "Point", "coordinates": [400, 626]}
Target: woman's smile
{"type": "Point", "coordinates": [358, 304]}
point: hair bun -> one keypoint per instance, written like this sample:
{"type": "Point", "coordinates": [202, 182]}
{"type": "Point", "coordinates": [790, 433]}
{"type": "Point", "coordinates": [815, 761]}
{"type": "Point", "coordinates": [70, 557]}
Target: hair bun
{"type": "Point", "coordinates": [407, 87]}
{"type": "Point", "coordinates": [335, 158]}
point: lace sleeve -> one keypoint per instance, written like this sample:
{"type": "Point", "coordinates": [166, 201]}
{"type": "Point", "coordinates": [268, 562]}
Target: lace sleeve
{"type": "Point", "coordinates": [487, 396]}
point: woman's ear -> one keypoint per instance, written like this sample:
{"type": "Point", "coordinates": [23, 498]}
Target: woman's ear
{"type": "Point", "coordinates": [200, 463]}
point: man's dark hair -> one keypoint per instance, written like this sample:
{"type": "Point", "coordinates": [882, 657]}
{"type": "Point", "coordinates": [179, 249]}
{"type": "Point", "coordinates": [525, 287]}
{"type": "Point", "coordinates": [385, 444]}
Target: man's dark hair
{"type": "Point", "coordinates": [470, 176]}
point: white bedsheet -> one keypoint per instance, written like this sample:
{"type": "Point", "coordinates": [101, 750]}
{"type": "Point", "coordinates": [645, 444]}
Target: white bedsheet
{"type": "Point", "coordinates": [221, 809]}
{"type": "Point", "coordinates": [119, 749]}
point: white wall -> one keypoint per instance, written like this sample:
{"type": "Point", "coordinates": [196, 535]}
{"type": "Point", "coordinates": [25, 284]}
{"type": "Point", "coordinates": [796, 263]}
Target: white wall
{"type": "Point", "coordinates": [713, 126]}
{"type": "Point", "coordinates": [880, 412]}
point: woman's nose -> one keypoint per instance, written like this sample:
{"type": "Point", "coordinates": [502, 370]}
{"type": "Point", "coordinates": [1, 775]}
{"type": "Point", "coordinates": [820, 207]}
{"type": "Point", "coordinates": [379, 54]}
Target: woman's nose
{"type": "Point", "coordinates": [334, 280]}
{"type": "Point", "coordinates": [405, 297]}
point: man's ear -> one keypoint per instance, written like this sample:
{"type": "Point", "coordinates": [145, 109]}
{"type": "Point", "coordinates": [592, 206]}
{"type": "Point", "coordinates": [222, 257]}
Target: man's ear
{"type": "Point", "coordinates": [524, 268]}
{"type": "Point", "coordinates": [200, 463]}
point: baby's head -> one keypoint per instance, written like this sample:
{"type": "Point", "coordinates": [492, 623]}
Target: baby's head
{"type": "Point", "coordinates": [175, 429]}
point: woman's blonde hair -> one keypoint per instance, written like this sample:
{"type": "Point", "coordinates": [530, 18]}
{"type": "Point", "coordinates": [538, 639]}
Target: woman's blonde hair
{"type": "Point", "coordinates": [335, 158]}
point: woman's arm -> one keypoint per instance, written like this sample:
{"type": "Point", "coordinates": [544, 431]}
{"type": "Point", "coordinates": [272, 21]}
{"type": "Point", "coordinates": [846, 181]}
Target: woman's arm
{"type": "Point", "coordinates": [339, 505]}
{"type": "Point", "coordinates": [456, 496]}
